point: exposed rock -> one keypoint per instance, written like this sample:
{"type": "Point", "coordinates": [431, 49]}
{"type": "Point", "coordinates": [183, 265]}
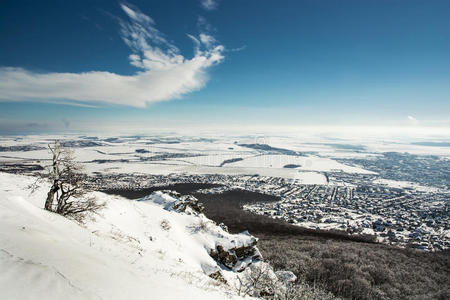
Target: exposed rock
{"type": "Point", "coordinates": [218, 276]}
{"type": "Point", "coordinates": [214, 272]}
{"type": "Point", "coordinates": [224, 227]}
{"type": "Point", "coordinates": [241, 265]}
{"type": "Point", "coordinates": [172, 200]}
{"type": "Point", "coordinates": [188, 201]}
{"type": "Point", "coordinates": [244, 252]}
{"type": "Point", "coordinates": [237, 258]}
{"type": "Point", "coordinates": [286, 277]}
{"type": "Point", "coordinates": [226, 258]}
{"type": "Point", "coordinates": [171, 193]}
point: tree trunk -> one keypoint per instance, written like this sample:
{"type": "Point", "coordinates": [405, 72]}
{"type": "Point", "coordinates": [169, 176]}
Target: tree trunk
{"type": "Point", "coordinates": [62, 201]}
{"type": "Point", "coordinates": [51, 196]}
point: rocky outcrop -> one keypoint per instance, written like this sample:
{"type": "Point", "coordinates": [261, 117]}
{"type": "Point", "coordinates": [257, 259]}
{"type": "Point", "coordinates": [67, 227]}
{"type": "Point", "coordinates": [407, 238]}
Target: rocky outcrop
{"type": "Point", "coordinates": [188, 201]}
{"type": "Point", "coordinates": [224, 227]}
{"type": "Point", "coordinates": [172, 200]}
{"type": "Point", "coordinates": [214, 272]}
{"type": "Point", "coordinates": [230, 252]}
{"type": "Point", "coordinates": [226, 258]}
{"type": "Point", "coordinates": [237, 258]}
{"type": "Point", "coordinates": [286, 277]}
{"type": "Point", "coordinates": [218, 276]}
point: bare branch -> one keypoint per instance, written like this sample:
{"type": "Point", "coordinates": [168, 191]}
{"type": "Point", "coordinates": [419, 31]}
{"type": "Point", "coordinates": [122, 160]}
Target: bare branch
{"type": "Point", "coordinates": [66, 195]}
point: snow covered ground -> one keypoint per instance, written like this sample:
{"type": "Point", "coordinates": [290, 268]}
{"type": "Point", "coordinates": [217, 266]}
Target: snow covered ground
{"type": "Point", "coordinates": [218, 155]}
{"type": "Point", "coordinates": [132, 250]}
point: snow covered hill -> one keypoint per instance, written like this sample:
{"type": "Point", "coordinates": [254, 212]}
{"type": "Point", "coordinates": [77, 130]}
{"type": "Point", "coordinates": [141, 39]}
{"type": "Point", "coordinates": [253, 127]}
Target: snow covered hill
{"type": "Point", "coordinates": [132, 250]}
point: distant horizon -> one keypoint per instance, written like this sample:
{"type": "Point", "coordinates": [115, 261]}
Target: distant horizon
{"type": "Point", "coordinates": [343, 133]}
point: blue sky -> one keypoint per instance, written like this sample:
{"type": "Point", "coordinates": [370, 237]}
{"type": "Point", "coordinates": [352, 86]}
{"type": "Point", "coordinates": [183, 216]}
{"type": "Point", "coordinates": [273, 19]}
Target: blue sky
{"type": "Point", "coordinates": [79, 65]}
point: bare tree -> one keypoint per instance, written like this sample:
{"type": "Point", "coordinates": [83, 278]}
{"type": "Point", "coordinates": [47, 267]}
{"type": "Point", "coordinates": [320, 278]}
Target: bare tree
{"type": "Point", "coordinates": [257, 281]}
{"type": "Point", "coordinates": [67, 195]}
{"type": "Point", "coordinates": [262, 282]}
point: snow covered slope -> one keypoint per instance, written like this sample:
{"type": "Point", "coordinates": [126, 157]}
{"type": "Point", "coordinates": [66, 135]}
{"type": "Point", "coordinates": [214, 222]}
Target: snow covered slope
{"type": "Point", "coordinates": [133, 250]}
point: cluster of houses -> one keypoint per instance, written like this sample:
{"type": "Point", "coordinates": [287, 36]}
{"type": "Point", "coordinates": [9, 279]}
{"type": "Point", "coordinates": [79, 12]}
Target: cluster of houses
{"type": "Point", "coordinates": [425, 170]}
{"type": "Point", "coordinates": [404, 217]}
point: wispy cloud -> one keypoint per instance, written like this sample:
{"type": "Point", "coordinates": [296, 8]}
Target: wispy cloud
{"type": "Point", "coordinates": [209, 4]}
{"type": "Point", "coordinates": [242, 48]}
{"type": "Point", "coordinates": [203, 25]}
{"type": "Point", "coordinates": [164, 72]}
{"type": "Point", "coordinates": [413, 120]}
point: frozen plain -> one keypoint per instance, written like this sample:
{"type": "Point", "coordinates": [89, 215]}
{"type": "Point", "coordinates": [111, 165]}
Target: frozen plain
{"type": "Point", "coordinates": [362, 178]}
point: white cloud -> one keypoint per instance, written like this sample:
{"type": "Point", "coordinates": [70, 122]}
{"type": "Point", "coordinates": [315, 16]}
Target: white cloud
{"type": "Point", "coordinates": [164, 72]}
{"type": "Point", "coordinates": [207, 39]}
{"type": "Point", "coordinates": [209, 4]}
{"type": "Point", "coordinates": [412, 120]}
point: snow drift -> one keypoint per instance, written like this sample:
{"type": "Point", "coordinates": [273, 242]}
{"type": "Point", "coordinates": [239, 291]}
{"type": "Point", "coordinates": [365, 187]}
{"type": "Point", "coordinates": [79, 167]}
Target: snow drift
{"type": "Point", "coordinates": [133, 249]}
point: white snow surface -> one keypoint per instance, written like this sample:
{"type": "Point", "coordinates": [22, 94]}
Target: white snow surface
{"type": "Point", "coordinates": [218, 156]}
{"type": "Point", "coordinates": [132, 250]}
{"type": "Point", "coordinates": [221, 154]}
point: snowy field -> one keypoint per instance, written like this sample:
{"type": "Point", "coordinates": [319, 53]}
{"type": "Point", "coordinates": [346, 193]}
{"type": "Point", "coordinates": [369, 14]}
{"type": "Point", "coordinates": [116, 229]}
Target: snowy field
{"type": "Point", "coordinates": [132, 250]}
{"type": "Point", "coordinates": [383, 185]}
{"type": "Point", "coordinates": [303, 158]}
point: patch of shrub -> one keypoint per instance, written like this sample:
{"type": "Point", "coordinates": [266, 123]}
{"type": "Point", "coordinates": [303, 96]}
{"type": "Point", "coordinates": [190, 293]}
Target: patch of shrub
{"type": "Point", "coordinates": [360, 270]}
{"type": "Point", "coordinates": [165, 224]}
